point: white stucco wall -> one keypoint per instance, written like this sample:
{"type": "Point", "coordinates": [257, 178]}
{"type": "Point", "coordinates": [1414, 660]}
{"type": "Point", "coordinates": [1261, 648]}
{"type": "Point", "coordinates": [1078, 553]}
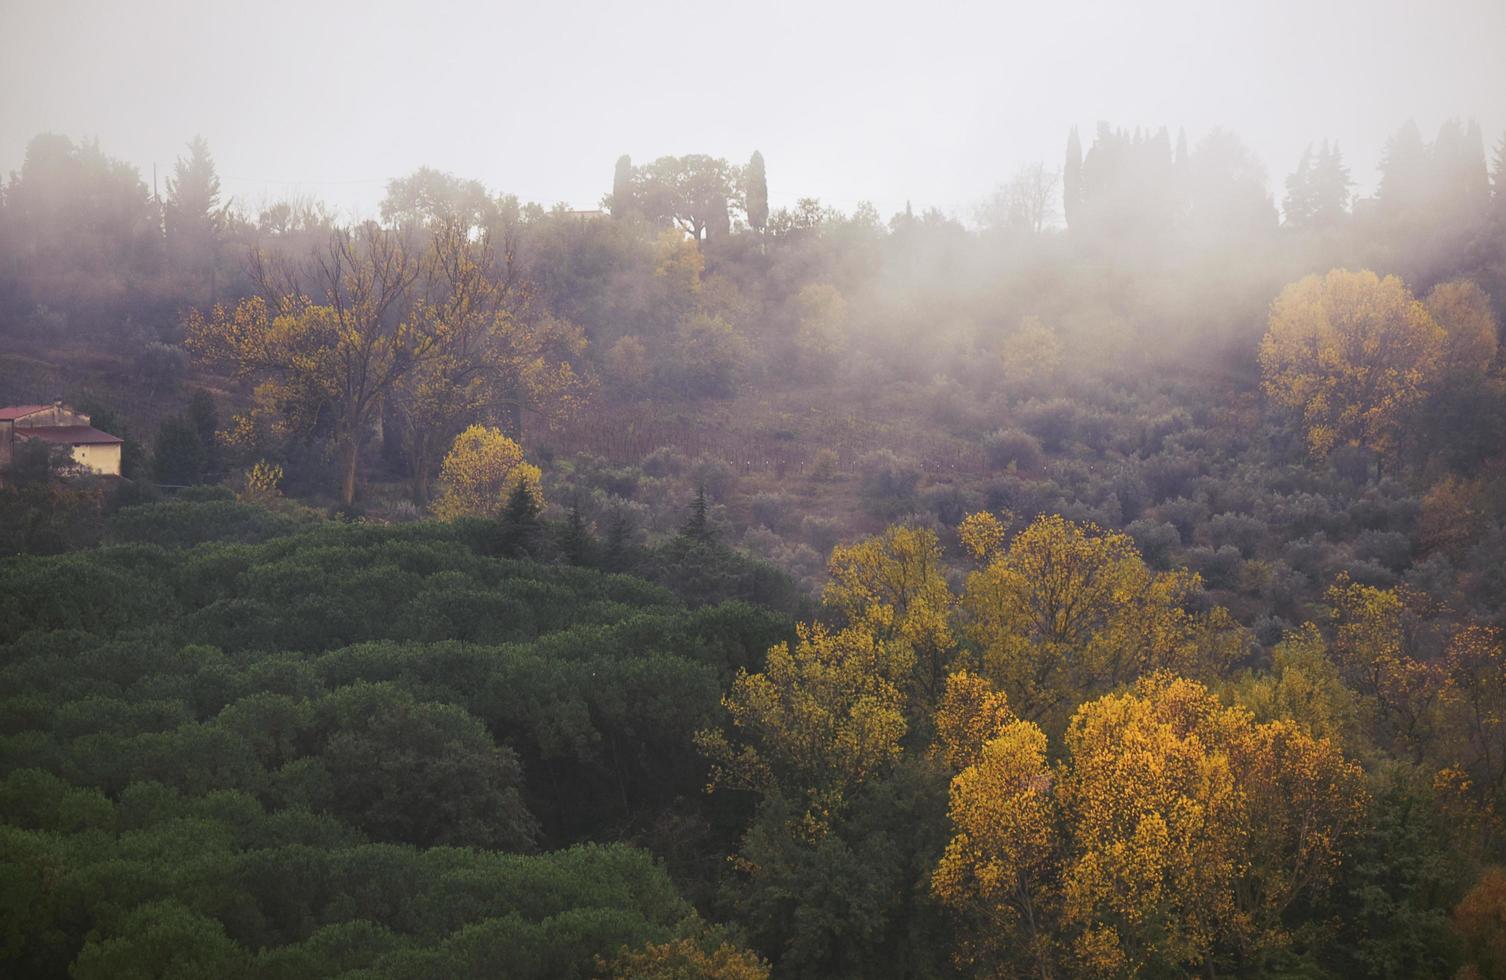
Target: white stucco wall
{"type": "Point", "coordinates": [102, 459]}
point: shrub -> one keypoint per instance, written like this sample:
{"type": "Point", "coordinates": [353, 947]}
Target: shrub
{"type": "Point", "coordinates": [887, 483]}
{"type": "Point", "coordinates": [1013, 447]}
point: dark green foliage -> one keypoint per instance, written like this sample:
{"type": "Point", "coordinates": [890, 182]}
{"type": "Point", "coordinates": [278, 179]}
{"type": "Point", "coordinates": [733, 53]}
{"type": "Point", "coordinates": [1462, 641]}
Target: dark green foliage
{"type": "Point", "coordinates": [178, 453]}
{"type": "Point", "coordinates": [253, 752]}
{"type": "Point", "coordinates": [756, 192]}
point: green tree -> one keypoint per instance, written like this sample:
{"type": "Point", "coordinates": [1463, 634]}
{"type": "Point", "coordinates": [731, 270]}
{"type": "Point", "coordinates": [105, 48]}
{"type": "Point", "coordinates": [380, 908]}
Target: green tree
{"type": "Point", "coordinates": [756, 193]}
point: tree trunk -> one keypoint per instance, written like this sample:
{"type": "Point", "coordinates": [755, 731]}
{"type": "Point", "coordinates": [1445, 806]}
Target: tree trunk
{"type": "Point", "coordinates": [347, 452]}
{"type": "Point", "coordinates": [420, 464]}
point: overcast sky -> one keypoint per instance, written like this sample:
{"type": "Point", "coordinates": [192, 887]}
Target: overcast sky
{"type": "Point", "coordinates": [934, 102]}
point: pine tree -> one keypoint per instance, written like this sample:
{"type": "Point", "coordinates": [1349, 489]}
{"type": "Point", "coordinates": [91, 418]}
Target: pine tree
{"type": "Point", "coordinates": [622, 187]}
{"type": "Point", "coordinates": [520, 521]}
{"type": "Point", "coordinates": [1404, 167]}
{"type": "Point", "coordinates": [756, 193]}
{"type": "Point", "coordinates": [1498, 181]}
{"type": "Point", "coordinates": [1072, 180]}
{"type": "Point", "coordinates": [698, 526]}
{"type": "Point", "coordinates": [1331, 188]}
{"type": "Point", "coordinates": [1299, 205]}
{"type": "Point", "coordinates": [192, 213]}
{"type": "Point", "coordinates": [617, 551]}
{"type": "Point", "coordinates": [577, 543]}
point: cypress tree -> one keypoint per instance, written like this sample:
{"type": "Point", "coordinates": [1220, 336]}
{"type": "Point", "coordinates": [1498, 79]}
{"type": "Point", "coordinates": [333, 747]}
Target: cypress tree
{"type": "Point", "coordinates": [756, 193]}
{"type": "Point", "coordinates": [1072, 180]}
{"type": "Point", "coordinates": [622, 187]}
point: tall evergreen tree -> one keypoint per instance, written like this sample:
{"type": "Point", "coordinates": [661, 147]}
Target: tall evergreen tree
{"type": "Point", "coordinates": [1403, 169]}
{"type": "Point", "coordinates": [576, 541]}
{"type": "Point", "coordinates": [520, 525]}
{"type": "Point", "coordinates": [1332, 187]}
{"type": "Point", "coordinates": [1072, 180]}
{"type": "Point", "coordinates": [622, 187]}
{"type": "Point", "coordinates": [192, 213]}
{"type": "Point", "coordinates": [756, 193]}
{"type": "Point", "coordinates": [698, 526]}
{"type": "Point", "coordinates": [1498, 180]}
{"type": "Point", "coordinates": [1298, 205]}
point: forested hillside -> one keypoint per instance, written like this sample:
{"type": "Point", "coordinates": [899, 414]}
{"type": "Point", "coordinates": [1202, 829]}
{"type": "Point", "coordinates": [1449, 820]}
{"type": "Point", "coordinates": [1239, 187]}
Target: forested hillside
{"type": "Point", "coordinates": [1109, 582]}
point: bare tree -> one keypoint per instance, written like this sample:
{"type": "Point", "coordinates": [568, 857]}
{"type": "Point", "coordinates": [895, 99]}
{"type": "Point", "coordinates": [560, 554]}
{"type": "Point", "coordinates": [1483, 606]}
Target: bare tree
{"type": "Point", "coordinates": [1027, 202]}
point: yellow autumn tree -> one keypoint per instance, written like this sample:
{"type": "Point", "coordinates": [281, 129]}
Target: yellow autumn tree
{"type": "Point", "coordinates": [1173, 827]}
{"type": "Point", "coordinates": [1373, 637]}
{"type": "Point", "coordinates": [1068, 610]}
{"type": "Point", "coordinates": [334, 350]}
{"type": "Point", "coordinates": [687, 959]}
{"type": "Point", "coordinates": [982, 534]}
{"type": "Point", "coordinates": [819, 719]}
{"type": "Point", "coordinates": [1471, 334]}
{"type": "Point", "coordinates": [480, 472]}
{"type": "Point", "coordinates": [894, 586]}
{"type": "Point", "coordinates": [999, 868]}
{"type": "Point", "coordinates": [1351, 352]}
{"type": "Point", "coordinates": [1033, 353]}
{"type": "Point", "coordinates": [970, 713]}
{"type": "Point", "coordinates": [1157, 828]}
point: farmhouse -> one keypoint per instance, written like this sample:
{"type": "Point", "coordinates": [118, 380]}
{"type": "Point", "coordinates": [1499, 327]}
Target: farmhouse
{"type": "Point", "coordinates": [93, 451]}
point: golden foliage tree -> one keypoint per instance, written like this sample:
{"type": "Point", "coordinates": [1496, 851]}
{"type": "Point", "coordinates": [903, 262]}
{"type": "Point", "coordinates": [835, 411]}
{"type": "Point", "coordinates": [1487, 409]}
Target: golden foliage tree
{"type": "Point", "coordinates": [480, 472]}
{"type": "Point", "coordinates": [894, 586]}
{"type": "Point", "coordinates": [1174, 826]}
{"type": "Point", "coordinates": [337, 350]}
{"type": "Point", "coordinates": [1069, 610]}
{"type": "Point", "coordinates": [821, 717]}
{"type": "Point", "coordinates": [1375, 633]}
{"type": "Point", "coordinates": [999, 868]}
{"type": "Point", "coordinates": [970, 713]}
{"type": "Point", "coordinates": [1351, 352]}
{"type": "Point", "coordinates": [686, 959]}
{"type": "Point", "coordinates": [1471, 334]}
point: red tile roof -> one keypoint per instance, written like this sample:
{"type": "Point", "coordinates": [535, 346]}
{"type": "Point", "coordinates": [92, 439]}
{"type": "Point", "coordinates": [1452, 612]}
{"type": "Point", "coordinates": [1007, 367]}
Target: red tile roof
{"type": "Point", "coordinates": [70, 435]}
{"type": "Point", "coordinates": [13, 412]}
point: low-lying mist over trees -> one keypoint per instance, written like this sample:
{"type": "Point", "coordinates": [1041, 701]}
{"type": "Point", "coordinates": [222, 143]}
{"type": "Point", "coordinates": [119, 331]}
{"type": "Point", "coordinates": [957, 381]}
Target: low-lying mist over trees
{"type": "Point", "coordinates": [706, 581]}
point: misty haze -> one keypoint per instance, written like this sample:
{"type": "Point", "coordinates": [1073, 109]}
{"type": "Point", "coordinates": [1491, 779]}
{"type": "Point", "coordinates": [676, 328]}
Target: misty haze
{"type": "Point", "coordinates": [720, 492]}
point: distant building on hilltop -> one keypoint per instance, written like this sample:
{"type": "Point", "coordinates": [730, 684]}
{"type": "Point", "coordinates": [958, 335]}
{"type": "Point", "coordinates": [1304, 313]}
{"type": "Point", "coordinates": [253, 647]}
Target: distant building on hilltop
{"type": "Point", "coordinates": [57, 424]}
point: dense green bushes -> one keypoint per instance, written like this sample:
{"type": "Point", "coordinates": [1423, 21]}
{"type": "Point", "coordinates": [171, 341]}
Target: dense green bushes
{"type": "Point", "coordinates": [274, 748]}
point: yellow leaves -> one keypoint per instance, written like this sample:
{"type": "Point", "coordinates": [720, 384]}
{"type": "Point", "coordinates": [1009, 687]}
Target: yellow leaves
{"type": "Point", "coordinates": [481, 470]}
{"type": "Point", "coordinates": [1173, 823]}
{"type": "Point", "coordinates": [817, 721]}
{"type": "Point", "coordinates": [894, 585]}
{"type": "Point", "coordinates": [982, 534]}
{"type": "Point", "coordinates": [263, 482]}
{"type": "Point", "coordinates": [1351, 352]}
{"type": "Point", "coordinates": [1032, 353]}
{"type": "Point", "coordinates": [1471, 338]}
{"type": "Point", "coordinates": [686, 959]}
{"type": "Point", "coordinates": [971, 713]}
{"type": "Point", "coordinates": [1070, 609]}
{"type": "Point", "coordinates": [1004, 814]}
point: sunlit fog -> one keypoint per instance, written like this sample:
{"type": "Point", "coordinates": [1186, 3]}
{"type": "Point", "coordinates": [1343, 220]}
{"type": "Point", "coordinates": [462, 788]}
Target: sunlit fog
{"type": "Point", "coordinates": [690, 491]}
